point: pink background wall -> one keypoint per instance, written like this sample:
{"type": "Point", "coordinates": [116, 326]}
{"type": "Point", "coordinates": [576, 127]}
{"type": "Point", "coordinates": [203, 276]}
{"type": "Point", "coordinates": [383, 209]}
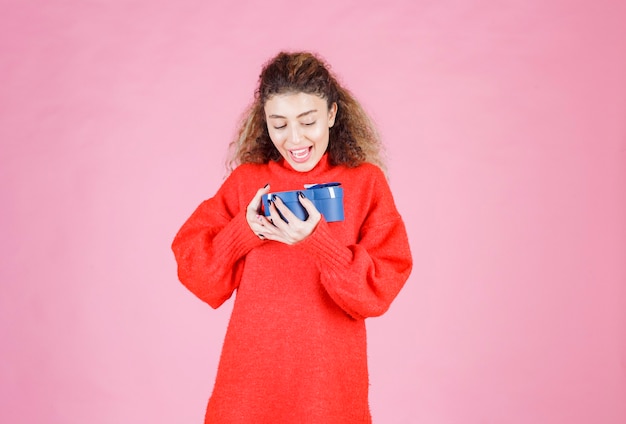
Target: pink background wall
{"type": "Point", "coordinates": [506, 129]}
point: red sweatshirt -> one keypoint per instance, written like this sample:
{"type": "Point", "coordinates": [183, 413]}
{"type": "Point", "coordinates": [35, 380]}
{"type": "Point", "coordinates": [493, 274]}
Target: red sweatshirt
{"type": "Point", "coordinates": [295, 348]}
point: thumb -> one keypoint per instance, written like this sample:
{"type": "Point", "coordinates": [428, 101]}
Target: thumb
{"type": "Point", "coordinates": [255, 203]}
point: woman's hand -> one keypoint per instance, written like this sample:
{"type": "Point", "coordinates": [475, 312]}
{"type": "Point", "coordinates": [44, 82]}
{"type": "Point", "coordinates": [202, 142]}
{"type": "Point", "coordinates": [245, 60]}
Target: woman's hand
{"type": "Point", "coordinates": [275, 228]}
{"type": "Point", "coordinates": [253, 210]}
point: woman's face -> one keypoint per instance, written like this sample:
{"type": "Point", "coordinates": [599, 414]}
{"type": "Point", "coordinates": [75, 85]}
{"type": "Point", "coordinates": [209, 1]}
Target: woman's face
{"type": "Point", "coordinates": [298, 124]}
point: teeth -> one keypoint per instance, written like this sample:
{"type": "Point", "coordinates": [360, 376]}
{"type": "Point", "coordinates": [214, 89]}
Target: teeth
{"type": "Point", "coordinates": [300, 153]}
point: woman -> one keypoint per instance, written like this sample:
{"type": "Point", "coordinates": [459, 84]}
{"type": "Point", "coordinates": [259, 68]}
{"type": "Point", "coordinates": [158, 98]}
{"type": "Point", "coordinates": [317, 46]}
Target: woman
{"type": "Point", "coordinates": [295, 348]}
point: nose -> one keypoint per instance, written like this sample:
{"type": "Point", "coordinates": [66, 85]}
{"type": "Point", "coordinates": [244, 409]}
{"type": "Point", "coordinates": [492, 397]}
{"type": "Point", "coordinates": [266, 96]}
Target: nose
{"type": "Point", "coordinates": [296, 135]}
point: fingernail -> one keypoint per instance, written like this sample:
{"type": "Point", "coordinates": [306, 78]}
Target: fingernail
{"type": "Point", "coordinates": [301, 194]}
{"type": "Point", "coordinates": [266, 185]}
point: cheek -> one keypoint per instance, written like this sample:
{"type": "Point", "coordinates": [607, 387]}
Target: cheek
{"type": "Point", "coordinates": [277, 138]}
{"type": "Point", "coordinates": [320, 134]}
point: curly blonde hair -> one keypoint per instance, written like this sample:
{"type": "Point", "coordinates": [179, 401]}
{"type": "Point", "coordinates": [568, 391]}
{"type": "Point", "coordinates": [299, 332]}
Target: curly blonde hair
{"type": "Point", "coordinates": [353, 138]}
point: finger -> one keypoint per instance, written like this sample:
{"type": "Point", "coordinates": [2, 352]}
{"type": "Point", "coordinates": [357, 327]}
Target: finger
{"type": "Point", "coordinates": [267, 230]}
{"type": "Point", "coordinates": [256, 224]}
{"type": "Point", "coordinates": [309, 206]}
{"type": "Point", "coordinates": [264, 222]}
{"type": "Point", "coordinates": [285, 211]}
{"type": "Point", "coordinates": [255, 203]}
{"type": "Point", "coordinates": [275, 217]}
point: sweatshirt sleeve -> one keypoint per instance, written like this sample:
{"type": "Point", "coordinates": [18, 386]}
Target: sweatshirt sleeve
{"type": "Point", "coordinates": [211, 246]}
{"type": "Point", "coordinates": [364, 278]}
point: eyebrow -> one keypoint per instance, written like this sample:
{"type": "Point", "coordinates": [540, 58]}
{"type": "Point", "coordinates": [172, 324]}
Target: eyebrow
{"type": "Point", "coordinates": [299, 116]}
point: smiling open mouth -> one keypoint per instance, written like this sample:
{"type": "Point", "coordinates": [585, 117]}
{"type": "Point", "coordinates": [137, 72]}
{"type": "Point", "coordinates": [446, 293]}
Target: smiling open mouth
{"type": "Point", "coordinates": [300, 155]}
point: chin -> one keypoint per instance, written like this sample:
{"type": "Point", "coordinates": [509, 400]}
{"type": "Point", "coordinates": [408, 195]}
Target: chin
{"type": "Point", "coordinates": [303, 167]}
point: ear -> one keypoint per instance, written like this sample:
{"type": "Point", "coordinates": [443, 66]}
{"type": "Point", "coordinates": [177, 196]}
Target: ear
{"type": "Point", "coordinates": [332, 113]}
